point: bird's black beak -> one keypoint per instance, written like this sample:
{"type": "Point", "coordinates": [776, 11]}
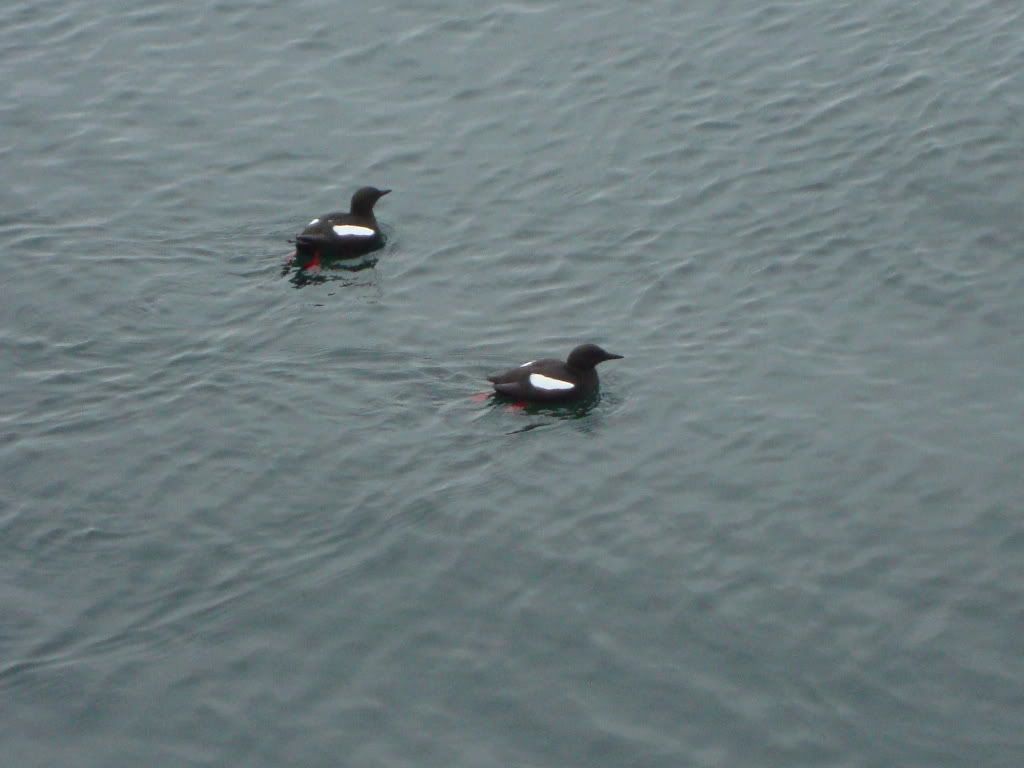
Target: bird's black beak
{"type": "Point", "coordinates": [384, 192]}
{"type": "Point", "coordinates": [610, 356]}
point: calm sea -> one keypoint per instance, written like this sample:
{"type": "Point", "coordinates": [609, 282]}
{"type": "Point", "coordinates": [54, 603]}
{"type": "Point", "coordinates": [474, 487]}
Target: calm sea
{"type": "Point", "coordinates": [252, 519]}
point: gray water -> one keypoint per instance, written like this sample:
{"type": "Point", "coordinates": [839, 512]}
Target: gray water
{"type": "Point", "coordinates": [252, 519]}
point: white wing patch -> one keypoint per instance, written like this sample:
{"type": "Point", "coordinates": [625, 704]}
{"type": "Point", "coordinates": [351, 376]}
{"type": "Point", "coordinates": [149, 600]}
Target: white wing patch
{"type": "Point", "coordinates": [525, 365]}
{"type": "Point", "coordinates": [351, 230]}
{"type": "Point", "coordinates": [540, 381]}
{"type": "Point", "coordinates": [314, 221]}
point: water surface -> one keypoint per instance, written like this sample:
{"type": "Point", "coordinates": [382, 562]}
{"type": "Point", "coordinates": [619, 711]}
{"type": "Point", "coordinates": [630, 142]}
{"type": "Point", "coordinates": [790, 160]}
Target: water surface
{"type": "Point", "coordinates": [252, 520]}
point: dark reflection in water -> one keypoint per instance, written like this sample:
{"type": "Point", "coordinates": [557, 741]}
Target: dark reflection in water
{"type": "Point", "coordinates": [548, 413]}
{"type": "Point", "coordinates": [340, 271]}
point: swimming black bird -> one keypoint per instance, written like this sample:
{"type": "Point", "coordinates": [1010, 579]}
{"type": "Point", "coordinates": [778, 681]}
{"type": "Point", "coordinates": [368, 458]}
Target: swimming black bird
{"type": "Point", "coordinates": [550, 380]}
{"type": "Point", "coordinates": [342, 235]}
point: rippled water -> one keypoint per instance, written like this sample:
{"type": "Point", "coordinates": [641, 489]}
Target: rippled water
{"type": "Point", "coordinates": [251, 520]}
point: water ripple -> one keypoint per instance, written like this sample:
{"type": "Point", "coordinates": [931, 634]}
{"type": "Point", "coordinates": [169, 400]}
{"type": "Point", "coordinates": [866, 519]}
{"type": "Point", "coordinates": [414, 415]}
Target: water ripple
{"type": "Point", "coordinates": [243, 523]}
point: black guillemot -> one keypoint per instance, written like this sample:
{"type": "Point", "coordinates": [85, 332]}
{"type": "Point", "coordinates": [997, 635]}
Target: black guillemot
{"type": "Point", "coordinates": [342, 235]}
{"type": "Point", "coordinates": [550, 380]}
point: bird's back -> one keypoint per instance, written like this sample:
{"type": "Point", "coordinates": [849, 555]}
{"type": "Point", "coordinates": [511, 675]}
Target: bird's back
{"type": "Point", "coordinates": [522, 372]}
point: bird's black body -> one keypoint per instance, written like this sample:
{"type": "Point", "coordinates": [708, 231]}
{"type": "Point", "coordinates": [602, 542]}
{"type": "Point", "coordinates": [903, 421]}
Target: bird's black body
{"type": "Point", "coordinates": [554, 381]}
{"type": "Point", "coordinates": [342, 235]}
